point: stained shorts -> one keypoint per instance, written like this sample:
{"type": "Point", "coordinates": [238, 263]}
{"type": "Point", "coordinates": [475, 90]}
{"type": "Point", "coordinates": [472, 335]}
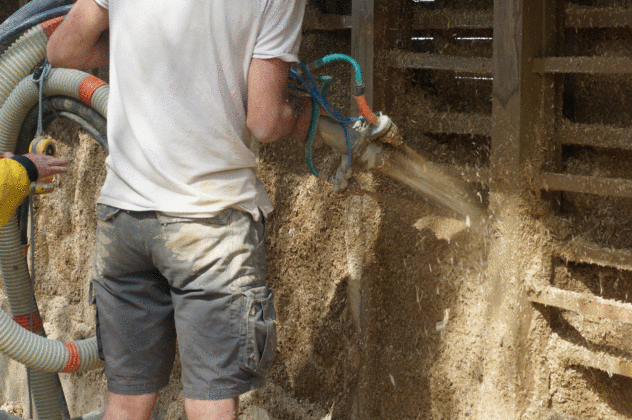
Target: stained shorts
{"type": "Point", "coordinates": [157, 278]}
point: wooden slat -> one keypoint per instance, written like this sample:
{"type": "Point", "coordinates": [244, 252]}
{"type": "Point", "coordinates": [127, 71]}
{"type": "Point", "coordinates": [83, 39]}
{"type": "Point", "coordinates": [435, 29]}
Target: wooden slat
{"type": "Point", "coordinates": [592, 17]}
{"type": "Point", "coordinates": [587, 253]}
{"type": "Point", "coordinates": [326, 22]}
{"type": "Point", "coordinates": [588, 305]}
{"type": "Point", "coordinates": [404, 59]}
{"type": "Point", "coordinates": [576, 17]}
{"type": "Point", "coordinates": [588, 65]}
{"type": "Point", "coordinates": [456, 123]}
{"type": "Point", "coordinates": [450, 19]}
{"type": "Point", "coordinates": [579, 355]}
{"type": "Point", "coordinates": [595, 135]}
{"type": "Point", "coordinates": [587, 184]}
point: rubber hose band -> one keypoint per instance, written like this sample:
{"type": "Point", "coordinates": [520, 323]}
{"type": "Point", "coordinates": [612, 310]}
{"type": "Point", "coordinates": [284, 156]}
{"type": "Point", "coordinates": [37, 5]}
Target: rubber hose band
{"type": "Point", "coordinates": [24, 321]}
{"type": "Point", "coordinates": [73, 362]}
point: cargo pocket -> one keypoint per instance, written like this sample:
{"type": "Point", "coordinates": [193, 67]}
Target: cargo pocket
{"type": "Point", "coordinates": [261, 336]}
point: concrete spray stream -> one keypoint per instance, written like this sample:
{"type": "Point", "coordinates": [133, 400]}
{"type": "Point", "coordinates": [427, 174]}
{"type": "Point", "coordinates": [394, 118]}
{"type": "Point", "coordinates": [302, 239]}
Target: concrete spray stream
{"type": "Point", "coordinates": [382, 151]}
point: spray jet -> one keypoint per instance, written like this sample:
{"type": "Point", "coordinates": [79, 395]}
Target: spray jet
{"type": "Point", "coordinates": [380, 148]}
{"type": "Point", "coordinates": [372, 142]}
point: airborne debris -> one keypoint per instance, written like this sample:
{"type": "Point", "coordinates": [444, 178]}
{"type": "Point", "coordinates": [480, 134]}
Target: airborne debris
{"type": "Point", "coordinates": [446, 316]}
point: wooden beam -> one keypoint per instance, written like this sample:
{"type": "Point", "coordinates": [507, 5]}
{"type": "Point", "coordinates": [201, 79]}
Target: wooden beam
{"type": "Point", "coordinates": [326, 22]}
{"type": "Point", "coordinates": [603, 361]}
{"type": "Point", "coordinates": [363, 50]}
{"type": "Point", "coordinates": [362, 36]}
{"type": "Point", "coordinates": [587, 305]}
{"type": "Point", "coordinates": [587, 184]}
{"type": "Point", "coordinates": [404, 59]}
{"type": "Point", "coordinates": [602, 17]}
{"type": "Point", "coordinates": [576, 17]}
{"type": "Point", "coordinates": [523, 29]}
{"type": "Point", "coordinates": [450, 19]}
{"type": "Point", "coordinates": [392, 26]}
{"type": "Point", "coordinates": [586, 65]}
{"type": "Point", "coordinates": [588, 253]}
{"type": "Point", "coordinates": [595, 135]}
{"type": "Point", "coordinates": [551, 95]}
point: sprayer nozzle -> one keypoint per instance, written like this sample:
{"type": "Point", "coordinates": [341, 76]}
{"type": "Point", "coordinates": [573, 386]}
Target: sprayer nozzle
{"type": "Point", "coordinates": [388, 133]}
{"type": "Point", "coordinates": [380, 126]}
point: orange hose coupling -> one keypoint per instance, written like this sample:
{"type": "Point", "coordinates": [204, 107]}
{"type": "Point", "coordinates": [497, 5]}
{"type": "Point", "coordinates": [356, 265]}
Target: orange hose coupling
{"type": "Point", "coordinates": [364, 110]}
{"type": "Point", "coordinates": [74, 360]}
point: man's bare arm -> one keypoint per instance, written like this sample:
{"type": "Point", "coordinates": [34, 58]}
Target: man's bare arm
{"type": "Point", "coordinates": [271, 114]}
{"type": "Point", "coordinates": [80, 41]}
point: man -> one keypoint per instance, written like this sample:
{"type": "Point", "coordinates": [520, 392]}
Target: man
{"type": "Point", "coordinates": [16, 174]}
{"type": "Point", "coordinates": [179, 248]}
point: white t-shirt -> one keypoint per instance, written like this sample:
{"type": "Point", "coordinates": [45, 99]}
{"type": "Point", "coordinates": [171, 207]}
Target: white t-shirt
{"type": "Point", "coordinates": [177, 107]}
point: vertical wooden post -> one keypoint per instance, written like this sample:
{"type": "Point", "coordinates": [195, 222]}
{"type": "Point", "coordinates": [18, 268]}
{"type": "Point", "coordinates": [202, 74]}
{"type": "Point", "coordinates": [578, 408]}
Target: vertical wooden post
{"type": "Point", "coordinates": [515, 99]}
{"type": "Point", "coordinates": [522, 100]}
{"type": "Point", "coordinates": [392, 29]}
{"type": "Point", "coordinates": [362, 34]}
{"type": "Point", "coordinates": [515, 96]}
{"type": "Point", "coordinates": [524, 107]}
{"type": "Point", "coordinates": [552, 88]}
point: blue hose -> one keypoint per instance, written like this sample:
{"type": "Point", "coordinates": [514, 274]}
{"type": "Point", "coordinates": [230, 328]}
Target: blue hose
{"type": "Point", "coordinates": [312, 88]}
{"type": "Point", "coordinates": [319, 99]}
{"type": "Point", "coordinates": [339, 57]}
{"type": "Point", "coordinates": [309, 145]}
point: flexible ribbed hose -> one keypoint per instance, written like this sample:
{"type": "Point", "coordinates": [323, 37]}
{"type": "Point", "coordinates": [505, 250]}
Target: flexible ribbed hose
{"type": "Point", "coordinates": [32, 349]}
{"type": "Point", "coordinates": [14, 270]}
{"type": "Point", "coordinates": [16, 62]}
{"type": "Point", "coordinates": [60, 82]}
{"type": "Point", "coordinates": [45, 398]}
{"type": "Point", "coordinates": [28, 348]}
{"type": "Point", "coordinates": [42, 353]}
{"type": "Point", "coordinates": [20, 59]}
{"type": "Point", "coordinates": [29, 12]}
{"type": "Point", "coordinates": [10, 33]}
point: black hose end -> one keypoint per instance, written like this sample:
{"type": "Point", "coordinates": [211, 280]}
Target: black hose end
{"type": "Point", "coordinates": [359, 90]}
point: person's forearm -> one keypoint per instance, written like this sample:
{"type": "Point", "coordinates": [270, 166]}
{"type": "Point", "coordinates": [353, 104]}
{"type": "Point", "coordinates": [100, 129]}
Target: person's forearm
{"type": "Point", "coordinates": [290, 120]}
{"type": "Point", "coordinates": [276, 125]}
{"type": "Point", "coordinates": [77, 55]}
{"type": "Point", "coordinates": [271, 114]}
{"type": "Point", "coordinates": [81, 40]}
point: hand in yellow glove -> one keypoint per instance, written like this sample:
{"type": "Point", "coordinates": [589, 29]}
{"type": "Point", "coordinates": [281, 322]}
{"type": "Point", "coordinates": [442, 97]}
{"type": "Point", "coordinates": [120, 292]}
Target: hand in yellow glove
{"type": "Point", "coordinates": [16, 175]}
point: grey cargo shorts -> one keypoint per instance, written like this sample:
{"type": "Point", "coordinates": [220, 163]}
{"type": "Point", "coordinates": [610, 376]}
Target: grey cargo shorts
{"type": "Point", "coordinates": [158, 278]}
